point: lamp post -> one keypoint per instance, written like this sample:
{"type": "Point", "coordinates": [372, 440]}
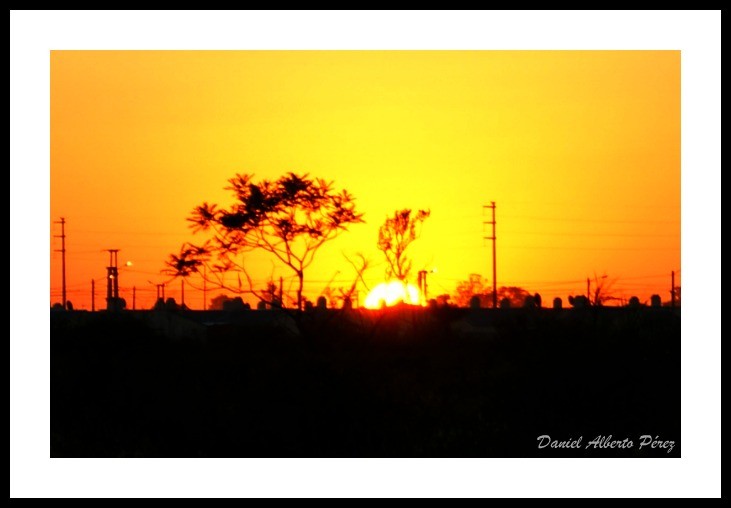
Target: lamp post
{"type": "Point", "coordinates": [423, 285]}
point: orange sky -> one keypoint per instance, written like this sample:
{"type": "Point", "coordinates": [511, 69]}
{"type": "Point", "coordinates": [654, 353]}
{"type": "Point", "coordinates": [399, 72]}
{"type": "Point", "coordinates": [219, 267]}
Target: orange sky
{"type": "Point", "coordinates": [579, 149]}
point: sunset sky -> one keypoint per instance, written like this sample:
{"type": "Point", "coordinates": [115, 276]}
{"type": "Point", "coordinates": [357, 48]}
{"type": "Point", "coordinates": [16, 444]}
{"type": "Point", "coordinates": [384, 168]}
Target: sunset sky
{"type": "Point", "coordinates": [580, 150]}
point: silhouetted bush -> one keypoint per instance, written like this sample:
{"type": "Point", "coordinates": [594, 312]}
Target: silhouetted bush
{"type": "Point", "coordinates": [579, 301]}
{"type": "Point", "coordinates": [234, 304]}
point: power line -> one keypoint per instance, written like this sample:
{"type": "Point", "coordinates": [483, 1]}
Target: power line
{"type": "Point", "coordinates": [623, 235]}
{"type": "Point", "coordinates": [553, 247]}
{"type": "Point", "coordinates": [600, 221]}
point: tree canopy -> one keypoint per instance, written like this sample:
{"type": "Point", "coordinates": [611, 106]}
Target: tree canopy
{"type": "Point", "coordinates": [476, 285]}
{"type": "Point", "coordinates": [291, 218]}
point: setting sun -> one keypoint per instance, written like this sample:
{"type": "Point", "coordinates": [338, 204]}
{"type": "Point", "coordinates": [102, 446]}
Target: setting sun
{"type": "Point", "coordinates": [391, 293]}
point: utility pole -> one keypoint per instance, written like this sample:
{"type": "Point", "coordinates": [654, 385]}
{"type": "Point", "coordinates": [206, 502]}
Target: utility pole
{"type": "Point", "coordinates": [205, 302]}
{"type": "Point", "coordinates": [672, 289]}
{"type": "Point", "coordinates": [423, 286]}
{"type": "Point", "coordinates": [588, 290]}
{"type": "Point", "coordinates": [92, 295]}
{"type": "Point", "coordinates": [134, 297]}
{"type": "Point", "coordinates": [422, 276]}
{"type": "Point", "coordinates": [63, 259]}
{"type": "Point", "coordinates": [494, 254]}
{"type": "Point", "coordinates": [182, 292]}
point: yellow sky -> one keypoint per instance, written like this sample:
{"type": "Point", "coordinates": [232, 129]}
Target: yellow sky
{"type": "Point", "coordinates": [579, 149]}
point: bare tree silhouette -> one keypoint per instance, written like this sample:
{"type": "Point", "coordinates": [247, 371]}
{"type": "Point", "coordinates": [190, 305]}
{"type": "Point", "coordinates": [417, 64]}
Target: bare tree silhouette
{"type": "Point", "coordinates": [395, 236]}
{"type": "Point", "coordinates": [602, 290]}
{"type": "Point", "coordinates": [343, 296]}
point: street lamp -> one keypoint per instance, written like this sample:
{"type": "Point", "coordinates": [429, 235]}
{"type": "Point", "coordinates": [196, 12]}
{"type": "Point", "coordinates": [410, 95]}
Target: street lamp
{"type": "Point", "coordinates": [422, 283]}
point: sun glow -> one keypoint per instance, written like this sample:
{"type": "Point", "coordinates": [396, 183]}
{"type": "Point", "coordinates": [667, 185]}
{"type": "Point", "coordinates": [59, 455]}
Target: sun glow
{"type": "Point", "coordinates": [391, 293]}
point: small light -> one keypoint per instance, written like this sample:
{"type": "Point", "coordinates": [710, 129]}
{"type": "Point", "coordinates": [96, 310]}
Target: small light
{"type": "Point", "coordinates": [128, 263]}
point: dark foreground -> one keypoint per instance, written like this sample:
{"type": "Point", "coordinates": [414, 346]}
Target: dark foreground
{"type": "Point", "coordinates": [440, 383]}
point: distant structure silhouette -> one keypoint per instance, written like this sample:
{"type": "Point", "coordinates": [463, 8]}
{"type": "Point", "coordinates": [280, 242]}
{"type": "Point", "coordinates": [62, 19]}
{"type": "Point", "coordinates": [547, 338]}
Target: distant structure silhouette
{"type": "Point", "coordinates": [475, 302]}
{"type": "Point", "coordinates": [634, 302]}
{"type": "Point", "coordinates": [655, 301]}
{"type": "Point", "coordinates": [114, 302]}
{"type": "Point", "coordinates": [347, 303]}
{"type": "Point", "coordinates": [537, 300]}
{"type": "Point", "coordinates": [505, 303]}
{"type": "Point", "coordinates": [321, 302]}
{"type": "Point", "coordinates": [557, 303]}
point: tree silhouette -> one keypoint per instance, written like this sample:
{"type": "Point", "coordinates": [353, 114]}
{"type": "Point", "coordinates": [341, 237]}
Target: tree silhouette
{"type": "Point", "coordinates": [601, 293]}
{"type": "Point", "coordinates": [185, 264]}
{"type": "Point", "coordinates": [395, 236]}
{"type": "Point", "coordinates": [291, 218]}
{"type": "Point", "coordinates": [345, 295]}
{"type": "Point", "coordinates": [466, 290]}
{"type": "Point", "coordinates": [476, 286]}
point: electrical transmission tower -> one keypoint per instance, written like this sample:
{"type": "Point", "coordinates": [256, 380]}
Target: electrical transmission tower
{"type": "Point", "coordinates": [113, 302]}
